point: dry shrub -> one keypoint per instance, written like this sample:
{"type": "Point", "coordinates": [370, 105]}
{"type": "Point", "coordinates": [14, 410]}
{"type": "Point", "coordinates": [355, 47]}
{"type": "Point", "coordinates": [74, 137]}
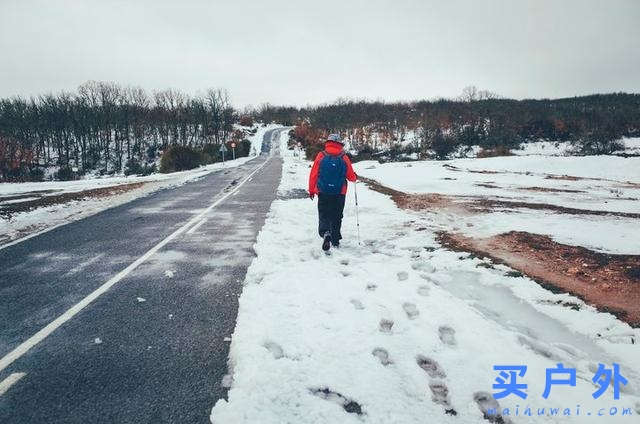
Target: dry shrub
{"type": "Point", "coordinates": [312, 139]}
{"type": "Point", "coordinates": [16, 162]}
{"type": "Point", "coordinates": [246, 121]}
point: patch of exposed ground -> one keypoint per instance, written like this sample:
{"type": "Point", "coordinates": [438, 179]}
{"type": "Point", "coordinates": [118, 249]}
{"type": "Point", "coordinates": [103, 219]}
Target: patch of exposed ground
{"type": "Point", "coordinates": [550, 190]}
{"type": "Point", "coordinates": [7, 210]}
{"type": "Point", "coordinates": [484, 204]}
{"type": "Point", "coordinates": [609, 282]}
{"type": "Point", "coordinates": [565, 177]}
{"type": "Point", "coordinates": [414, 202]}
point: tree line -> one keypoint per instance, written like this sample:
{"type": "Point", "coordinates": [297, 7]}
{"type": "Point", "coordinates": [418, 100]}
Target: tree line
{"type": "Point", "coordinates": [593, 123]}
{"type": "Point", "coordinates": [106, 127]}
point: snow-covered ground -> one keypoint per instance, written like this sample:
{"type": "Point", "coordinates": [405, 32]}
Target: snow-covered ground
{"type": "Point", "coordinates": [547, 148]}
{"type": "Point", "coordinates": [603, 183]}
{"type": "Point", "coordinates": [399, 330]}
{"type": "Point", "coordinates": [631, 145]}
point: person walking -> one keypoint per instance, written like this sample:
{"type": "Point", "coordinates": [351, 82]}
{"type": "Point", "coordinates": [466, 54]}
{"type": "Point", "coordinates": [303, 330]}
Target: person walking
{"type": "Point", "coordinates": [328, 179]}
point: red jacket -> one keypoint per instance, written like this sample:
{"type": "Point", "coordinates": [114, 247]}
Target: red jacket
{"type": "Point", "coordinates": [332, 148]}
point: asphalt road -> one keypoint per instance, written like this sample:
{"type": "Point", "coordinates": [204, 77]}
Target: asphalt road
{"type": "Point", "coordinates": [152, 348]}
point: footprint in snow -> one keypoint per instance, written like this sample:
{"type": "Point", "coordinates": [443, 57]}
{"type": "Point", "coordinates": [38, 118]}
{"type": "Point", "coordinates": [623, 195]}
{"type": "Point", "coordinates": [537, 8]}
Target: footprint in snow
{"type": "Point", "coordinates": [432, 368]}
{"type": "Point", "coordinates": [440, 395]}
{"type": "Point", "coordinates": [385, 325]}
{"type": "Point", "coordinates": [447, 335]}
{"type": "Point", "coordinates": [275, 349]}
{"type": "Point", "coordinates": [486, 403]}
{"type": "Point", "coordinates": [429, 279]}
{"type": "Point", "coordinates": [439, 390]}
{"type": "Point", "coordinates": [382, 355]}
{"type": "Point", "coordinates": [423, 290]}
{"type": "Point", "coordinates": [423, 266]}
{"type": "Point", "coordinates": [403, 275]}
{"type": "Point", "coordinates": [371, 287]}
{"type": "Point", "coordinates": [348, 405]}
{"type": "Point", "coordinates": [344, 261]}
{"type": "Point", "coordinates": [411, 310]}
{"type": "Point", "coordinates": [357, 304]}
{"type": "Point", "coordinates": [345, 273]}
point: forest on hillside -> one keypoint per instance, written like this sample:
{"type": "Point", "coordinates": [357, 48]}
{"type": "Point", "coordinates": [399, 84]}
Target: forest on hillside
{"type": "Point", "coordinates": [108, 128]}
{"type": "Point", "coordinates": [437, 128]}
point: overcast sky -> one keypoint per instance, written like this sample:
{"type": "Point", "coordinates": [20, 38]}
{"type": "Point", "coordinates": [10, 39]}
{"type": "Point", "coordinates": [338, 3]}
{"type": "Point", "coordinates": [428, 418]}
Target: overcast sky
{"type": "Point", "coordinates": [303, 52]}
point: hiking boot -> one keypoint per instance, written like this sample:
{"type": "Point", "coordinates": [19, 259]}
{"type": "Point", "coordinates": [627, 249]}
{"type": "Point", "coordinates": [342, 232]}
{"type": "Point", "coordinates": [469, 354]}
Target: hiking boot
{"type": "Point", "coordinates": [326, 244]}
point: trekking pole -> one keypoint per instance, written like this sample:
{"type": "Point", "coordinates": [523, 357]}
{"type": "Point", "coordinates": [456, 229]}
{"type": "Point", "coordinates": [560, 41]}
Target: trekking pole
{"type": "Point", "coordinates": [355, 191]}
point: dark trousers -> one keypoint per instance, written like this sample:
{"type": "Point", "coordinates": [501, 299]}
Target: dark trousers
{"type": "Point", "coordinates": [330, 207]}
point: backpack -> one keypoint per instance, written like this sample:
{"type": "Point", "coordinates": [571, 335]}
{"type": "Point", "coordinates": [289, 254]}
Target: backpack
{"type": "Point", "coordinates": [332, 173]}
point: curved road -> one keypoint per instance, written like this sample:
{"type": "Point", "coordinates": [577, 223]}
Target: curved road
{"type": "Point", "coordinates": [163, 274]}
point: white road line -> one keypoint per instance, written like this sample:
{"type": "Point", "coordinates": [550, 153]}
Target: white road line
{"type": "Point", "coordinates": [75, 309]}
{"type": "Point", "coordinates": [195, 227]}
{"type": "Point", "coordinates": [10, 381]}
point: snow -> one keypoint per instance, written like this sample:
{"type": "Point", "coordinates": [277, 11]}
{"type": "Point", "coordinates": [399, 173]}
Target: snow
{"type": "Point", "coordinates": [556, 148]}
{"type": "Point", "coordinates": [256, 139]}
{"type": "Point", "coordinates": [566, 148]}
{"type": "Point", "coordinates": [602, 234]}
{"type": "Point", "coordinates": [631, 145]}
{"type": "Point", "coordinates": [547, 148]}
{"type": "Point", "coordinates": [46, 218]}
{"type": "Point", "coordinates": [607, 183]}
{"type": "Point", "coordinates": [376, 325]}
